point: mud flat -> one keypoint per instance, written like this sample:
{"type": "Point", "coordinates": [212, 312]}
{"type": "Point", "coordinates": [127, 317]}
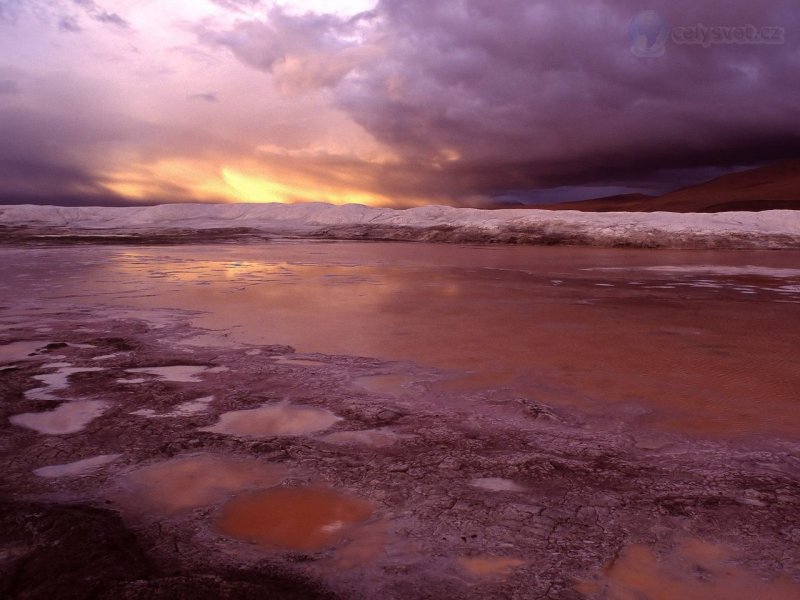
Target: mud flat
{"type": "Point", "coordinates": [295, 480]}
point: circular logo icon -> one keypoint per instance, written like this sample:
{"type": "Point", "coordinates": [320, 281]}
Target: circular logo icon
{"type": "Point", "coordinates": [649, 34]}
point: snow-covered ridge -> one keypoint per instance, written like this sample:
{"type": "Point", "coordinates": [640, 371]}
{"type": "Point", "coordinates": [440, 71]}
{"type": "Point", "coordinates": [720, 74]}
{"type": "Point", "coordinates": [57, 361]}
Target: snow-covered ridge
{"type": "Point", "coordinates": [771, 229]}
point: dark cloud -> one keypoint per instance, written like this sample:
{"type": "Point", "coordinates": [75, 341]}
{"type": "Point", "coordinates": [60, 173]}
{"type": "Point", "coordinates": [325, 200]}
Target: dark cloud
{"type": "Point", "coordinates": [69, 24]}
{"type": "Point", "coordinates": [487, 96]}
{"type": "Point", "coordinates": [58, 184]}
{"type": "Point", "coordinates": [111, 18]}
{"type": "Point", "coordinates": [101, 15]}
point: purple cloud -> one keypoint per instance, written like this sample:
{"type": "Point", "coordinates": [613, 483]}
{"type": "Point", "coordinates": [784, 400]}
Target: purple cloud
{"type": "Point", "coordinates": [491, 96]}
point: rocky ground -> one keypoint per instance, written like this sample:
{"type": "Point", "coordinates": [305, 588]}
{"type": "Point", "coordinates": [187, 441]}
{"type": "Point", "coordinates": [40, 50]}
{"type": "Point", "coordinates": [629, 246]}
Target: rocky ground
{"type": "Point", "coordinates": [476, 494]}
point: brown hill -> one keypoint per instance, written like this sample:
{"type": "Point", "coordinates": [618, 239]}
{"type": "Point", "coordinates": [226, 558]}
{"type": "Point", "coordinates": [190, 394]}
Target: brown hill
{"type": "Point", "coordinates": [766, 188]}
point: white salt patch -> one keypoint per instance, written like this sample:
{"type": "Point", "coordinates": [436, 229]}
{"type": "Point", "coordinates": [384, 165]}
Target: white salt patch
{"type": "Point", "coordinates": [145, 412]}
{"type": "Point", "coordinates": [274, 419]}
{"type": "Point", "coordinates": [702, 284]}
{"type": "Point", "coordinates": [78, 468]}
{"type": "Point", "coordinates": [108, 356]}
{"type": "Point", "coordinates": [497, 484]}
{"type": "Point", "coordinates": [70, 417]}
{"type": "Point", "coordinates": [192, 407]}
{"type": "Point", "coordinates": [712, 269]}
{"type": "Point", "coordinates": [82, 346]}
{"type": "Point", "coordinates": [132, 381]}
{"type": "Point", "coordinates": [253, 352]}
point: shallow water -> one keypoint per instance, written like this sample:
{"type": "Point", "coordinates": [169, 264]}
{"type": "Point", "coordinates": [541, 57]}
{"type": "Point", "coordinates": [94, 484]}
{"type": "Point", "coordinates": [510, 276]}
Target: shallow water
{"type": "Point", "coordinates": [58, 380]}
{"type": "Point", "coordinates": [308, 518]}
{"type": "Point", "coordinates": [17, 351]}
{"type": "Point", "coordinates": [695, 569]}
{"type": "Point", "coordinates": [489, 566]}
{"type": "Point", "coordinates": [195, 481]}
{"type": "Point", "coordinates": [392, 385]}
{"type": "Point", "coordinates": [696, 341]}
{"type": "Point", "coordinates": [70, 417]}
{"type": "Point", "coordinates": [273, 419]}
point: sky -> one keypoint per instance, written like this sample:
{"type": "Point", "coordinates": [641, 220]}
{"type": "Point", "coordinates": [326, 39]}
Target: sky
{"type": "Point", "coordinates": [389, 102]}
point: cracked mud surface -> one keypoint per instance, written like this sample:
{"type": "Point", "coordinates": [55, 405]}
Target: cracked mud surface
{"type": "Point", "coordinates": [527, 502]}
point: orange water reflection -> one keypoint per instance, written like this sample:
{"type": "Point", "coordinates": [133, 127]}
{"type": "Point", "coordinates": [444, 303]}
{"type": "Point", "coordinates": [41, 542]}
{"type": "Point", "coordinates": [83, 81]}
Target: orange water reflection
{"type": "Point", "coordinates": [706, 353]}
{"type": "Point", "coordinates": [696, 570]}
{"type": "Point", "coordinates": [308, 518]}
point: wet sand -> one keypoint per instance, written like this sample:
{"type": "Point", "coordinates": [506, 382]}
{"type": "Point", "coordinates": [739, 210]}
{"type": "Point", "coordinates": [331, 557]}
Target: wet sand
{"type": "Point", "coordinates": [399, 421]}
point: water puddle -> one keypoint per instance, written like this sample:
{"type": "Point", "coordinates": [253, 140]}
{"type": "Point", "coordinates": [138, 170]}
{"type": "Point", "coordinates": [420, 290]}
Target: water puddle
{"type": "Point", "coordinates": [696, 569]}
{"type": "Point", "coordinates": [177, 373]}
{"type": "Point", "coordinates": [392, 385]}
{"type": "Point", "coordinates": [489, 566]}
{"type": "Point", "coordinates": [77, 468]}
{"type": "Point", "coordinates": [194, 481]}
{"type": "Point", "coordinates": [497, 484]}
{"type": "Point", "coordinates": [59, 380]}
{"type": "Point", "coordinates": [16, 351]}
{"type": "Point", "coordinates": [307, 518]}
{"type": "Point", "coordinates": [70, 417]}
{"type": "Point", "coordinates": [367, 544]}
{"type": "Point", "coordinates": [274, 419]}
{"type": "Point", "coordinates": [377, 438]}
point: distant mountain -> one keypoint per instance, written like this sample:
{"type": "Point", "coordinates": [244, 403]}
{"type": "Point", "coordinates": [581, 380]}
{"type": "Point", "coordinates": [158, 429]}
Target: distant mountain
{"type": "Point", "coordinates": [766, 188]}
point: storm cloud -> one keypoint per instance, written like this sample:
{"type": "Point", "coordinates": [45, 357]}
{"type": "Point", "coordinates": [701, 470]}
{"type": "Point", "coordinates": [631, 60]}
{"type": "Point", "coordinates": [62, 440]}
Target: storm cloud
{"type": "Point", "coordinates": [517, 94]}
{"type": "Point", "coordinates": [396, 102]}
